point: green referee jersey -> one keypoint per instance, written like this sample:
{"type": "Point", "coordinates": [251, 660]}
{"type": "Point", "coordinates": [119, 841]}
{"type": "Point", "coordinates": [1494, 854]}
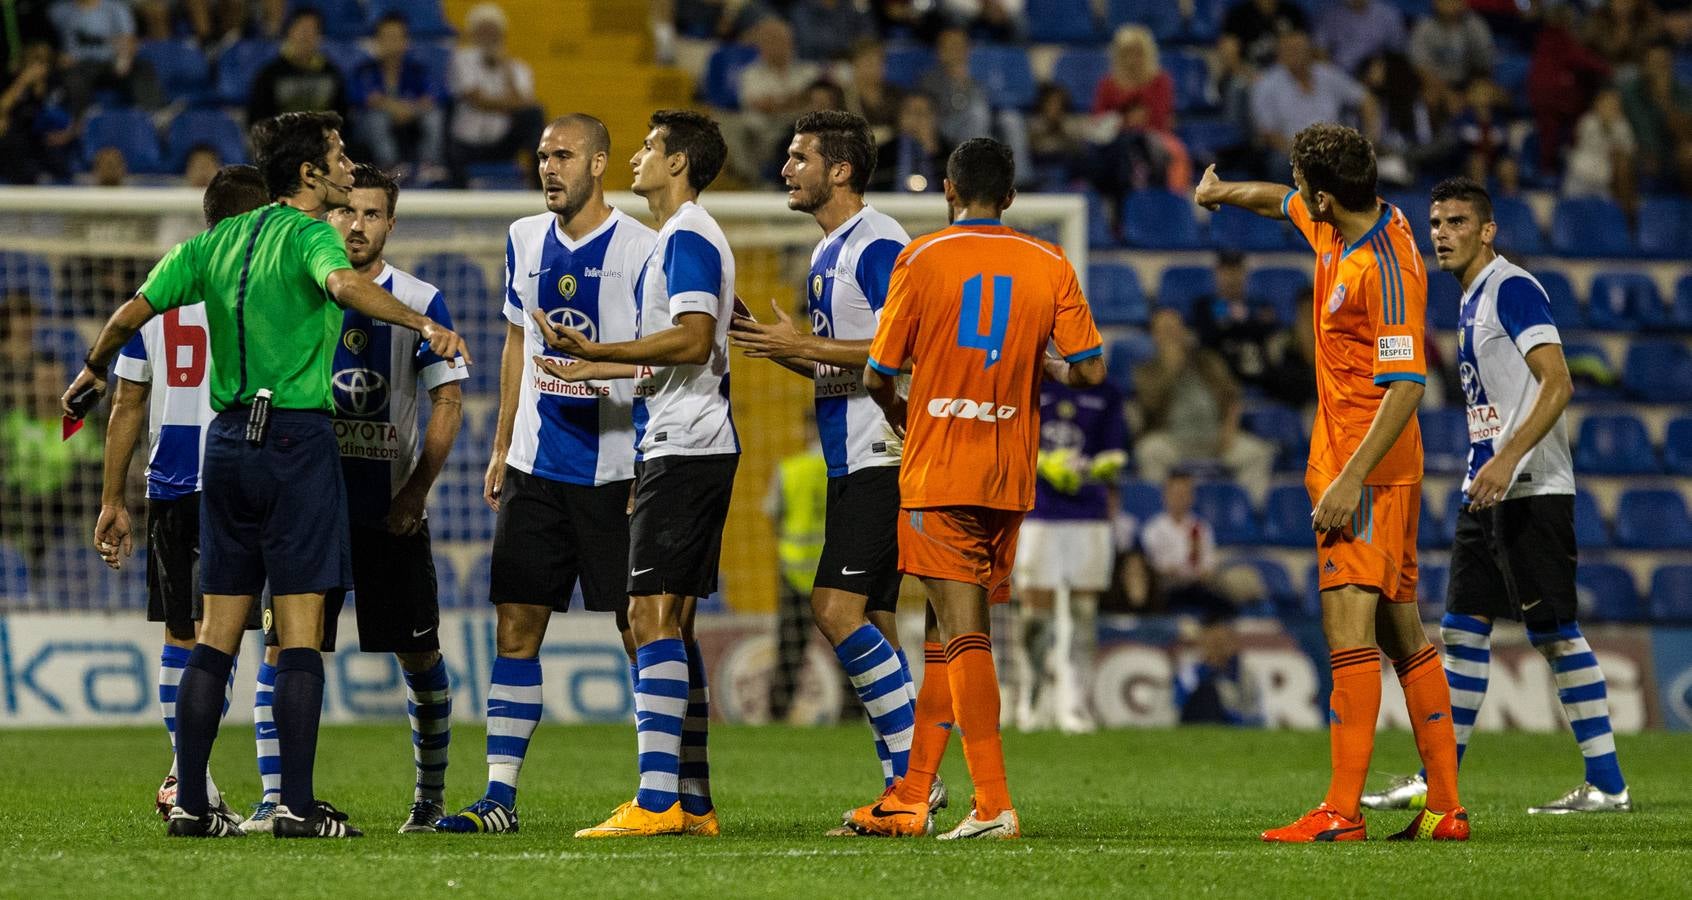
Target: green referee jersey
{"type": "Point", "coordinates": [273, 324]}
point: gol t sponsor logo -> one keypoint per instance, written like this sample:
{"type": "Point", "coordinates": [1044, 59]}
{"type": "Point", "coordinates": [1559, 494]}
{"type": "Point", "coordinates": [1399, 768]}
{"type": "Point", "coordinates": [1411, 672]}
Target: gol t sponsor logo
{"type": "Point", "coordinates": [964, 408]}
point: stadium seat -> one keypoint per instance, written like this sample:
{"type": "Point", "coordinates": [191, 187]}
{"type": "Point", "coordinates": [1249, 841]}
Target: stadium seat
{"type": "Point", "coordinates": [180, 67]}
{"type": "Point", "coordinates": [1658, 371]}
{"type": "Point", "coordinates": [239, 66]}
{"type": "Point", "coordinates": [1607, 593]}
{"type": "Point", "coordinates": [1286, 517]}
{"type": "Point", "coordinates": [1004, 74]}
{"type": "Point", "coordinates": [1078, 71]}
{"type": "Point", "coordinates": [1680, 308]}
{"type": "Point", "coordinates": [1565, 308]}
{"type": "Point", "coordinates": [907, 62]}
{"type": "Point", "coordinates": [1671, 594]}
{"type": "Point", "coordinates": [426, 18]}
{"type": "Point", "coordinates": [1278, 587]}
{"type": "Point", "coordinates": [1509, 70]}
{"type": "Point", "coordinates": [1205, 26]}
{"type": "Point", "coordinates": [1518, 229]}
{"type": "Point", "coordinates": [1062, 22]}
{"type": "Point", "coordinates": [1590, 226]}
{"type": "Point", "coordinates": [1614, 445]}
{"type": "Point", "coordinates": [1445, 301]}
{"type": "Point", "coordinates": [1430, 526]}
{"type": "Point", "coordinates": [1180, 287]}
{"type": "Point", "coordinates": [204, 126]}
{"type": "Point", "coordinates": [1204, 138]}
{"type": "Point", "coordinates": [1445, 440]}
{"type": "Point", "coordinates": [1414, 204]}
{"type": "Point", "coordinates": [1653, 519]}
{"type": "Point", "coordinates": [1228, 510]}
{"type": "Point", "coordinates": [30, 275]}
{"type": "Point", "coordinates": [1099, 233]}
{"type": "Point", "coordinates": [14, 574]}
{"type": "Point", "coordinates": [1164, 19]}
{"type": "Point", "coordinates": [1122, 356]}
{"type": "Point", "coordinates": [1624, 301]}
{"type": "Point", "coordinates": [721, 85]}
{"type": "Point", "coordinates": [129, 130]}
{"type": "Point", "coordinates": [1113, 290]}
{"type": "Point", "coordinates": [1278, 288]}
{"type": "Point", "coordinates": [1665, 227]}
{"type": "Point", "coordinates": [1282, 426]}
{"type": "Point", "coordinates": [1591, 532]}
{"type": "Point", "coordinates": [1677, 447]}
{"type": "Point", "coordinates": [1191, 75]}
{"type": "Point", "coordinates": [74, 577]}
{"type": "Point", "coordinates": [1431, 584]}
{"type": "Point", "coordinates": [437, 58]}
{"type": "Point", "coordinates": [1160, 220]}
{"type": "Point", "coordinates": [343, 20]}
{"type": "Point", "coordinates": [1141, 499]}
{"type": "Point", "coordinates": [1232, 228]}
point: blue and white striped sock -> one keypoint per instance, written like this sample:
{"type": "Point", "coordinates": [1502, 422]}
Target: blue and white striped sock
{"type": "Point", "coordinates": [264, 734]}
{"type": "Point", "coordinates": [514, 709]}
{"type": "Point", "coordinates": [172, 661]}
{"type": "Point", "coordinates": [428, 703]}
{"type": "Point", "coordinates": [1468, 665]}
{"type": "Point", "coordinates": [695, 770]}
{"type": "Point", "coordinates": [660, 711]}
{"type": "Point", "coordinates": [882, 683]}
{"type": "Point", "coordinates": [1581, 688]}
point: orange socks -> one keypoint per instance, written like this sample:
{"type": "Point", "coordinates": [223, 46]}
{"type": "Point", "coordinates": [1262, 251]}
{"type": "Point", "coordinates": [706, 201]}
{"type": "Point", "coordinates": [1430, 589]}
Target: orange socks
{"type": "Point", "coordinates": [1353, 709]}
{"type": "Point", "coordinates": [1428, 698]}
{"type": "Point", "coordinates": [933, 727]}
{"type": "Point", "coordinates": [975, 703]}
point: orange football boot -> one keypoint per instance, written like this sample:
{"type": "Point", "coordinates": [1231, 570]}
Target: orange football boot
{"type": "Point", "coordinates": [702, 826]}
{"type": "Point", "coordinates": [1432, 826]}
{"type": "Point", "coordinates": [631, 820]}
{"type": "Point", "coordinates": [1324, 823]}
{"type": "Point", "coordinates": [887, 817]}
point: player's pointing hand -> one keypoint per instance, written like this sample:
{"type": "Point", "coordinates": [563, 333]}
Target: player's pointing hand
{"type": "Point", "coordinates": [446, 344]}
{"type": "Point", "coordinates": [1204, 194]}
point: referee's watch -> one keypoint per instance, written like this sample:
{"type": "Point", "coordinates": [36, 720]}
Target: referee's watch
{"type": "Point", "coordinates": [99, 371]}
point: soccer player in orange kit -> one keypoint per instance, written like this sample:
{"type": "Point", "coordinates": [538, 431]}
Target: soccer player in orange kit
{"type": "Point", "coordinates": [1365, 470]}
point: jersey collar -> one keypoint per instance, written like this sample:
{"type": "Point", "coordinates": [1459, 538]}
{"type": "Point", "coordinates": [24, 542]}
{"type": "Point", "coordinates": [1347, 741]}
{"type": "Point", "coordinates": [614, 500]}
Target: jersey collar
{"type": "Point", "coordinates": [978, 223]}
{"type": "Point", "coordinates": [1485, 273]}
{"type": "Point", "coordinates": [573, 246]}
{"type": "Point", "coordinates": [846, 226]}
{"type": "Point", "coordinates": [385, 277]}
{"type": "Point", "coordinates": [1386, 216]}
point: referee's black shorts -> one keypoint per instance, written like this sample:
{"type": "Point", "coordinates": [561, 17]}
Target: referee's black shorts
{"type": "Point", "coordinates": [173, 566]}
{"type": "Point", "coordinates": [1516, 561]}
{"type": "Point", "coordinates": [676, 535]}
{"type": "Point", "coordinates": [394, 594]}
{"type": "Point", "coordinates": [860, 552]}
{"type": "Point", "coordinates": [551, 534]}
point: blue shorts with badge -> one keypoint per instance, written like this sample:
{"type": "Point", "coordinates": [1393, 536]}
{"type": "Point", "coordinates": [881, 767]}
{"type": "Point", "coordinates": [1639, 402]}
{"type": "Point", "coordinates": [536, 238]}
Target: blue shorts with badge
{"type": "Point", "coordinates": [275, 512]}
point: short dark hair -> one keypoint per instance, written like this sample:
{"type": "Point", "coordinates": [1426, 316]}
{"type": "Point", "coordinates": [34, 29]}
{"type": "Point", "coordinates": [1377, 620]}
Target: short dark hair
{"type": "Point", "coordinates": [598, 136]}
{"type": "Point", "coordinates": [695, 136]}
{"type": "Point", "coordinates": [842, 137]}
{"type": "Point", "coordinates": [1338, 160]}
{"type": "Point", "coordinates": [981, 170]}
{"type": "Point", "coordinates": [232, 191]}
{"type": "Point", "coordinates": [281, 143]}
{"type": "Point", "coordinates": [367, 176]}
{"type": "Point", "coordinates": [1469, 191]}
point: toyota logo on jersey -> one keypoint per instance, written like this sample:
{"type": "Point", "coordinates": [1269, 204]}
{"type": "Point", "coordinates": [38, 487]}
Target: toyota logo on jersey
{"type": "Point", "coordinates": [360, 392]}
{"type": "Point", "coordinates": [566, 317]}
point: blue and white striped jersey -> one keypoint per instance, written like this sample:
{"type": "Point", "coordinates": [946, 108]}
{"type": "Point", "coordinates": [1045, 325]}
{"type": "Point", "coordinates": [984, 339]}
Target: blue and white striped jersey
{"type": "Point", "coordinates": [378, 368]}
{"type": "Point", "coordinates": [684, 410]}
{"type": "Point", "coordinates": [576, 433]}
{"type": "Point", "coordinates": [1505, 314]}
{"type": "Point", "coordinates": [846, 288]}
{"type": "Point", "coordinates": [179, 402]}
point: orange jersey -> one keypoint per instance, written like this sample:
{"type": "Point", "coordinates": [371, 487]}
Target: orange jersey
{"type": "Point", "coordinates": [1371, 314]}
{"type": "Point", "coordinates": [972, 308]}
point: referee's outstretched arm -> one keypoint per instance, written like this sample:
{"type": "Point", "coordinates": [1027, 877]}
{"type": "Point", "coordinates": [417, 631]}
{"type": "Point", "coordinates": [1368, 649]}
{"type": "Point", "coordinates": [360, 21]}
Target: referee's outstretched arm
{"type": "Point", "coordinates": [357, 292]}
{"type": "Point", "coordinates": [118, 330]}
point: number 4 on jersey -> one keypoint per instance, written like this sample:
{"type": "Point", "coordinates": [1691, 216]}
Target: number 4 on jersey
{"type": "Point", "coordinates": [969, 317]}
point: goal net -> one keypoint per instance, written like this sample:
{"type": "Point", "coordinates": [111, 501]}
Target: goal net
{"type": "Point", "coordinates": [68, 257]}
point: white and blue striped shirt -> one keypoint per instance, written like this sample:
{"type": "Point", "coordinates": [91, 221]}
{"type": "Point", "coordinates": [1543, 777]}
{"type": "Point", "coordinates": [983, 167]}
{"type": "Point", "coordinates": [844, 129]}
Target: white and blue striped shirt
{"type": "Point", "coordinates": [179, 402]}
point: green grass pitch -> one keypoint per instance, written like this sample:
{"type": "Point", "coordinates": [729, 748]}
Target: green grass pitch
{"type": "Point", "coordinates": [1123, 813]}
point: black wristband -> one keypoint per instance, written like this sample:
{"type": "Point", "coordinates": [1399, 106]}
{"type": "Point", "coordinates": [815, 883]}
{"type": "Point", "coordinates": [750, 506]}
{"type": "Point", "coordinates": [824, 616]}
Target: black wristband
{"type": "Point", "coordinates": [99, 371]}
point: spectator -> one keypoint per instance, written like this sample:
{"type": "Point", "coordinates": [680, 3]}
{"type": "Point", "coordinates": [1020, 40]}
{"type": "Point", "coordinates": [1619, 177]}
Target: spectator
{"type": "Point", "coordinates": [1291, 377]}
{"type": "Point", "coordinates": [35, 127]}
{"type": "Point", "coordinates": [1659, 109]}
{"type": "Point", "coordinates": [98, 41]}
{"type": "Point", "coordinates": [18, 355]}
{"type": "Point", "coordinates": [495, 118]}
{"type": "Point", "coordinates": [45, 481]}
{"type": "Point", "coordinates": [827, 30]}
{"type": "Point", "coordinates": [202, 163]}
{"type": "Point", "coordinates": [400, 104]}
{"type": "Point", "coordinates": [1300, 91]}
{"type": "Point", "coordinates": [1002, 21]}
{"type": "Point", "coordinates": [867, 92]}
{"type": "Point", "coordinates": [1215, 687]}
{"type": "Point", "coordinates": [1252, 29]}
{"type": "Point", "coordinates": [1180, 554]}
{"type": "Point", "coordinates": [914, 161]}
{"type": "Point", "coordinates": [1478, 131]}
{"type": "Point", "coordinates": [1563, 76]}
{"type": "Point", "coordinates": [1356, 30]}
{"type": "Point", "coordinates": [1190, 405]}
{"type": "Point", "coordinates": [301, 78]}
{"type": "Point", "coordinates": [1601, 161]}
{"type": "Point", "coordinates": [1054, 145]}
{"type": "Point", "coordinates": [959, 101]}
{"type": "Point", "coordinates": [1230, 324]}
{"type": "Point", "coordinates": [772, 93]}
{"type": "Point", "coordinates": [1406, 127]}
{"type": "Point", "coordinates": [1449, 48]}
{"type": "Point", "coordinates": [1620, 31]}
{"type": "Point", "coordinates": [1136, 88]}
{"type": "Point", "coordinates": [109, 168]}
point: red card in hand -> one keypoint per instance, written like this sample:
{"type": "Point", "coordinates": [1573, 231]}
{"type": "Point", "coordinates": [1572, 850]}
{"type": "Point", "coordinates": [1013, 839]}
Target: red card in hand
{"type": "Point", "coordinates": [69, 427]}
{"type": "Point", "coordinates": [741, 309]}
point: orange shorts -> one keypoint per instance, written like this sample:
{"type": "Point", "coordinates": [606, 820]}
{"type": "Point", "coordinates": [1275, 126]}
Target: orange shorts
{"type": "Point", "coordinates": [1377, 548]}
{"type": "Point", "coordinates": [971, 544]}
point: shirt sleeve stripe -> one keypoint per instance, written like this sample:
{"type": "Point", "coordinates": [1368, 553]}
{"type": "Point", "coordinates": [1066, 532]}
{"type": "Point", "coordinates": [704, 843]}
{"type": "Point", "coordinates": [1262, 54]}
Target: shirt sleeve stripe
{"type": "Point", "coordinates": [885, 370]}
{"type": "Point", "coordinates": [1084, 355]}
{"type": "Point", "coordinates": [1387, 377]}
{"type": "Point", "coordinates": [1392, 280]}
{"type": "Point", "coordinates": [1286, 200]}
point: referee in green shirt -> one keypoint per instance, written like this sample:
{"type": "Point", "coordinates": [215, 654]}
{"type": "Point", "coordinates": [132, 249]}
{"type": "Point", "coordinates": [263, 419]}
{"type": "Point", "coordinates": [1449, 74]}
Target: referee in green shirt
{"type": "Point", "coordinates": [273, 502]}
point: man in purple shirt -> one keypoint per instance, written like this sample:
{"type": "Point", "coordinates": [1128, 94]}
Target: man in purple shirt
{"type": "Point", "coordinates": [1355, 30]}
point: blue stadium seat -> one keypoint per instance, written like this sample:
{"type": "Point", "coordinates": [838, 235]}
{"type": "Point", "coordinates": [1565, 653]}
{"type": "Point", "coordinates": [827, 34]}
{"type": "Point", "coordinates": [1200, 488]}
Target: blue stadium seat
{"type": "Point", "coordinates": [1431, 585]}
{"type": "Point", "coordinates": [1279, 288]}
{"type": "Point", "coordinates": [1232, 228]}
{"type": "Point", "coordinates": [1671, 594]}
{"type": "Point", "coordinates": [1677, 447]}
{"type": "Point", "coordinates": [1590, 226]}
{"type": "Point", "coordinates": [1113, 290]}
{"type": "Point", "coordinates": [1430, 526]}
{"type": "Point", "coordinates": [1658, 371]}
{"type": "Point", "coordinates": [1653, 519]}
{"type": "Point", "coordinates": [1204, 138]}
{"type": "Point", "coordinates": [1665, 227]}
{"type": "Point", "coordinates": [1180, 287]}
{"type": "Point", "coordinates": [1191, 75]}
{"type": "Point", "coordinates": [239, 66]}
{"type": "Point", "coordinates": [1591, 532]}
{"type": "Point", "coordinates": [1062, 22]}
{"type": "Point", "coordinates": [74, 577]}
{"type": "Point", "coordinates": [1518, 230]}
{"type": "Point", "coordinates": [1099, 231]}
{"type": "Point", "coordinates": [1624, 301]}
{"type": "Point", "coordinates": [1680, 308]}
{"type": "Point", "coordinates": [1206, 24]}
{"type": "Point", "coordinates": [180, 66]}
{"type": "Point", "coordinates": [1164, 19]}
{"type": "Point", "coordinates": [1607, 593]}
{"type": "Point", "coordinates": [426, 18]}
{"type": "Point", "coordinates": [1004, 74]}
{"type": "Point", "coordinates": [1615, 445]}
{"type": "Point", "coordinates": [14, 574]}
{"type": "Point", "coordinates": [346, 56]}
{"type": "Point", "coordinates": [1415, 207]}
{"type": "Point", "coordinates": [1123, 355]}
{"type": "Point", "coordinates": [907, 62]}
{"type": "Point", "coordinates": [129, 130]}
{"type": "Point", "coordinates": [1277, 584]}
{"type": "Point", "coordinates": [1445, 301]}
{"type": "Point", "coordinates": [1445, 440]}
{"type": "Point", "coordinates": [1565, 307]}
{"type": "Point", "coordinates": [1286, 517]}
{"type": "Point", "coordinates": [1160, 220]}
{"type": "Point", "coordinates": [721, 86]}
{"type": "Point", "coordinates": [1078, 71]}
{"type": "Point", "coordinates": [343, 20]}
{"type": "Point", "coordinates": [1228, 510]}
{"type": "Point", "coordinates": [437, 58]}
{"type": "Point", "coordinates": [1282, 426]}
{"type": "Point", "coordinates": [1141, 499]}
{"type": "Point", "coordinates": [204, 126]}
{"type": "Point", "coordinates": [31, 275]}
{"type": "Point", "coordinates": [1509, 70]}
